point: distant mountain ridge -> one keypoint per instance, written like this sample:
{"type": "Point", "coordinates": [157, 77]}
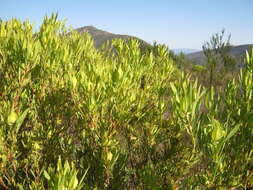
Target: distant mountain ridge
{"type": "Point", "coordinates": [100, 36]}
{"type": "Point", "coordinates": [184, 50]}
{"type": "Point", "coordinates": [238, 52]}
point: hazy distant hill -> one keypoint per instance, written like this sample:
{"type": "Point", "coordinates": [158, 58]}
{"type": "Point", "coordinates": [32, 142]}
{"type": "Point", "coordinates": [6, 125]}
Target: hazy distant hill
{"type": "Point", "coordinates": [236, 51]}
{"type": "Point", "coordinates": [100, 36]}
{"type": "Point", "coordinates": [185, 51]}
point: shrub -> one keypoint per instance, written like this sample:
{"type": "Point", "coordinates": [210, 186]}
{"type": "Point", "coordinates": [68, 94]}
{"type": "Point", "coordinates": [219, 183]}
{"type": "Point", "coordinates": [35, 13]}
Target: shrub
{"type": "Point", "coordinates": [126, 119]}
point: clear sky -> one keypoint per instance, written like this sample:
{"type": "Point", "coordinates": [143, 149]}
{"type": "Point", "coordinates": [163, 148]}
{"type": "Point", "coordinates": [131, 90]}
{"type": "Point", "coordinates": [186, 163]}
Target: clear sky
{"type": "Point", "coordinates": [177, 23]}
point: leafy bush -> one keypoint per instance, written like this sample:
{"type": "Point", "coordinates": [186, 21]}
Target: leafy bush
{"type": "Point", "coordinates": [117, 119]}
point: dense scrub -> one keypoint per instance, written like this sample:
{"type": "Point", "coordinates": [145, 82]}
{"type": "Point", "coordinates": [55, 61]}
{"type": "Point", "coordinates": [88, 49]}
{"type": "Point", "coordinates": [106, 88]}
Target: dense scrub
{"type": "Point", "coordinates": [72, 117]}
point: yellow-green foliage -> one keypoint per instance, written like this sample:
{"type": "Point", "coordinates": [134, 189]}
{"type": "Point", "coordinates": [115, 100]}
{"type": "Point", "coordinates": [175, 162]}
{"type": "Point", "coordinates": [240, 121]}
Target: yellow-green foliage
{"type": "Point", "coordinates": [118, 119]}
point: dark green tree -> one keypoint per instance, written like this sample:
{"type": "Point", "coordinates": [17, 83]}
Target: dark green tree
{"type": "Point", "coordinates": [217, 53]}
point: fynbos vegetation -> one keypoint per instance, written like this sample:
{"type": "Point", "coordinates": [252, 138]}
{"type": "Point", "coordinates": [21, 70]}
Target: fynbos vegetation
{"type": "Point", "coordinates": [73, 117]}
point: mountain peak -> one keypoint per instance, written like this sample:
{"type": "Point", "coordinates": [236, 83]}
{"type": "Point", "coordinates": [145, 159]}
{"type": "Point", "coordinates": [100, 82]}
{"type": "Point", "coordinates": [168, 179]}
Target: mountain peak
{"type": "Point", "coordinates": [101, 36]}
{"type": "Point", "coordinates": [92, 30]}
{"type": "Point", "coordinates": [90, 27]}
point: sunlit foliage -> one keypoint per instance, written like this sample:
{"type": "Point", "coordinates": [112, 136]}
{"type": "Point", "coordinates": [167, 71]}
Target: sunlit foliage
{"type": "Point", "coordinates": [73, 117]}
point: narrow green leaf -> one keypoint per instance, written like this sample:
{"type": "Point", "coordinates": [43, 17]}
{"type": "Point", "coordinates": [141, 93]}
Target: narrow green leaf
{"type": "Point", "coordinates": [46, 175]}
{"type": "Point", "coordinates": [232, 132]}
{"type": "Point", "coordinates": [21, 119]}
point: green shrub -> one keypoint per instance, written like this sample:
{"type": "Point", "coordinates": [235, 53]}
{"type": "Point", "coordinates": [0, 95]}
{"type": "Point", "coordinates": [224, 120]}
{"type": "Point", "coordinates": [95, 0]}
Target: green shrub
{"type": "Point", "coordinates": [122, 119]}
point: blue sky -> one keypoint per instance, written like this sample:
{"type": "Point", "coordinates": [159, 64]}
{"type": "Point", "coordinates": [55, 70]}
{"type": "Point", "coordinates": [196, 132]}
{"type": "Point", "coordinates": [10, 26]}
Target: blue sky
{"type": "Point", "coordinates": [177, 23]}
